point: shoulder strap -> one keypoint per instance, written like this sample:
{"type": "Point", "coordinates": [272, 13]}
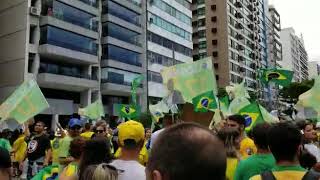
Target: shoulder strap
{"type": "Point", "coordinates": [310, 175]}
{"type": "Point", "coordinates": [267, 175]}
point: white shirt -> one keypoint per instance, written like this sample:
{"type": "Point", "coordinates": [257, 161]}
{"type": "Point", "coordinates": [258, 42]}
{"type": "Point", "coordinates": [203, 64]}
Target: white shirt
{"type": "Point", "coordinates": [154, 137]}
{"type": "Point", "coordinates": [133, 170]}
{"type": "Point", "coordinates": [314, 150]}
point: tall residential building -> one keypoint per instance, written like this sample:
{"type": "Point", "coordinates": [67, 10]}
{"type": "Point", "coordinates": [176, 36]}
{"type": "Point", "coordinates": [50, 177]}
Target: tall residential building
{"type": "Point", "coordinates": [123, 51]}
{"type": "Point", "coordinates": [234, 33]}
{"type": "Point", "coordinates": [58, 43]}
{"type": "Point", "coordinates": [169, 39]}
{"type": "Point", "coordinates": [295, 56]}
{"type": "Point", "coordinates": [313, 69]}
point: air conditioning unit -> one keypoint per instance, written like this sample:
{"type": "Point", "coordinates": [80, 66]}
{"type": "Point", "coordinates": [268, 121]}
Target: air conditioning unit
{"type": "Point", "coordinates": [34, 11]}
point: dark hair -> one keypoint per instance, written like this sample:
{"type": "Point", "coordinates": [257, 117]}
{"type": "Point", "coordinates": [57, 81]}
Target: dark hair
{"type": "Point", "coordinates": [5, 161]}
{"type": "Point", "coordinates": [131, 144]}
{"type": "Point", "coordinates": [284, 139]}
{"type": "Point", "coordinates": [303, 124]}
{"type": "Point", "coordinates": [41, 122]}
{"type": "Point", "coordinates": [87, 126]}
{"type": "Point", "coordinates": [306, 159]}
{"type": "Point", "coordinates": [95, 151]}
{"type": "Point", "coordinates": [229, 136]}
{"type": "Point", "coordinates": [76, 147]}
{"type": "Point", "coordinates": [238, 119]}
{"type": "Point", "coordinates": [188, 151]}
{"type": "Point", "coordinates": [259, 134]}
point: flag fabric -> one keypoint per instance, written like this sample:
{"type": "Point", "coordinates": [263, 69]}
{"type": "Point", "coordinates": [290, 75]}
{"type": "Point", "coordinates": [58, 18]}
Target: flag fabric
{"type": "Point", "coordinates": [309, 101]}
{"type": "Point", "coordinates": [157, 111]}
{"type": "Point", "coordinates": [224, 104]}
{"type": "Point", "coordinates": [237, 104]}
{"type": "Point", "coordinates": [237, 90]}
{"type": "Point", "coordinates": [47, 173]}
{"type": "Point", "coordinates": [93, 111]}
{"type": "Point", "coordinates": [135, 84]}
{"type": "Point", "coordinates": [216, 119]}
{"type": "Point", "coordinates": [252, 115]}
{"type": "Point", "coordinates": [279, 76]}
{"type": "Point", "coordinates": [268, 117]}
{"type": "Point", "coordinates": [25, 102]}
{"type": "Point", "coordinates": [190, 79]}
{"type": "Point", "coordinates": [204, 102]}
{"type": "Point", "coordinates": [128, 111]}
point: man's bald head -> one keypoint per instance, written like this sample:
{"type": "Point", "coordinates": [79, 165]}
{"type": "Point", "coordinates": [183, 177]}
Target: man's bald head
{"type": "Point", "coordinates": [187, 151]}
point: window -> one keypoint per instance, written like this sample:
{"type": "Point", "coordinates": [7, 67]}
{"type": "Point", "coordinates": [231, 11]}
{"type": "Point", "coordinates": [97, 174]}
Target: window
{"type": "Point", "coordinates": [122, 13]}
{"type": "Point", "coordinates": [170, 27]}
{"type": "Point", "coordinates": [201, 22]}
{"type": "Point", "coordinates": [202, 55]}
{"type": "Point", "coordinates": [202, 34]}
{"type": "Point", "coordinates": [201, 11]}
{"type": "Point", "coordinates": [117, 76]}
{"type": "Point", "coordinates": [121, 33]}
{"type": "Point", "coordinates": [68, 40]}
{"type": "Point", "coordinates": [121, 55]}
{"type": "Point", "coordinates": [215, 42]}
{"type": "Point", "coordinates": [155, 58]}
{"type": "Point", "coordinates": [203, 45]}
{"type": "Point", "coordinates": [214, 19]}
{"type": "Point", "coordinates": [154, 77]}
{"type": "Point", "coordinates": [215, 54]}
{"type": "Point", "coordinates": [214, 7]}
{"type": "Point", "coordinates": [214, 30]}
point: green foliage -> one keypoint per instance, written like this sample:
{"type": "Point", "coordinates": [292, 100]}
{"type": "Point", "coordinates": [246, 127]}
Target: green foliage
{"type": "Point", "coordinates": [291, 93]}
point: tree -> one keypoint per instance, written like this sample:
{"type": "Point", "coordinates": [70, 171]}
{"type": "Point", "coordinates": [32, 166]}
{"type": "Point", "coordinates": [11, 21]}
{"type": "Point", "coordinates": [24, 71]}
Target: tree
{"type": "Point", "coordinates": [291, 93]}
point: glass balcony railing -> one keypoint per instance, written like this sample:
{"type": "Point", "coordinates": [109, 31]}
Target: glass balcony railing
{"type": "Point", "coordinates": [64, 71]}
{"type": "Point", "coordinates": [58, 37]}
{"type": "Point", "coordinates": [121, 55]}
{"type": "Point", "coordinates": [93, 3]}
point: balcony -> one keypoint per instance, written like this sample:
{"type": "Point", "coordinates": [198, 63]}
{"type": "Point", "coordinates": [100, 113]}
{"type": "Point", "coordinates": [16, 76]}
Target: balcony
{"type": "Point", "coordinates": [238, 4]}
{"type": "Point", "coordinates": [239, 37]}
{"type": "Point", "coordinates": [117, 87]}
{"type": "Point", "coordinates": [240, 47]}
{"type": "Point", "coordinates": [239, 26]}
{"type": "Point", "coordinates": [250, 7]}
{"type": "Point", "coordinates": [238, 15]}
{"type": "Point", "coordinates": [251, 26]}
{"type": "Point", "coordinates": [93, 3]}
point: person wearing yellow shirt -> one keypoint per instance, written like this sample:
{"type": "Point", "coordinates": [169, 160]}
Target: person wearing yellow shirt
{"type": "Point", "coordinates": [87, 134]}
{"type": "Point", "coordinates": [247, 146]}
{"type": "Point", "coordinates": [19, 149]}
{"type": "Point", "coordinates": [55, 144]}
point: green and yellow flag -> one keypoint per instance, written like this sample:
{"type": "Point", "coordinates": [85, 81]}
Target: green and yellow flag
{"type": "Point", "coordinates": [204, 102]}
{"type": "Point", "coordinates": [93, 111]}
{"type": "Point", "coordinates": [252, 115]}
{"type": "Point", "coordinates": [128, 111]}
{"type": "Point", "coordinates": [157, 111]}
{"type": "Point", "coordinates": [25, 102]}
{"type": "Point", "coordinates": [135, 84]}
{"type": "Point", "coordinates": [47, 173]}
{"type": "Point", "coordinates": [279, 76]}
{"type": "Point", "coordinates": [224, 104]}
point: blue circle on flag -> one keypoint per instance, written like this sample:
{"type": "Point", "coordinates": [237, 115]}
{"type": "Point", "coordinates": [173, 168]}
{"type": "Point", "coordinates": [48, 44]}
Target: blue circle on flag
{"type": "Point", "coordinates": [248, 120]}
{"type": "Point", "coordinates": [205, 102]}
{"type": "Point", "coordinates": [127, 109]}
{"type": "Point", "coordinates": [157, 113]}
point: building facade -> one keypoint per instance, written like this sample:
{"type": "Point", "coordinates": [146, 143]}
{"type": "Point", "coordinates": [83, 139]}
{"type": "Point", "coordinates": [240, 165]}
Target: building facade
{"type": "Point", "coordinates": [313, 69]}
{"type": "Point", "coordinates": [295, 57]}
{"type": "Point", "coordinates": [233, 33]}
{"type": "Point", "coordinates": [169, 40]}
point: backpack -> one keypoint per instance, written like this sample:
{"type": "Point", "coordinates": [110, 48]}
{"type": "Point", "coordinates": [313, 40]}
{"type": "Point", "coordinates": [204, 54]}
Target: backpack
{"type": "Point", "coordinates": [310, 175]}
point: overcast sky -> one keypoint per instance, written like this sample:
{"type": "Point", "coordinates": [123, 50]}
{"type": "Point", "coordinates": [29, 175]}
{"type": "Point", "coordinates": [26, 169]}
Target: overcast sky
{"type": "Point", "coordinates": [304, 17]}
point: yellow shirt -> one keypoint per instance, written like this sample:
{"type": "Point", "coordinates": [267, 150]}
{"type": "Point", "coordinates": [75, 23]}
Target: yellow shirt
{"type": "Point", "coordinates": [285, 172]}
{"type": "Point", "coordinates": [55, 144]}
{"type": "Point", "coordinates": [231, 167]}
{"type": "Point", "coordinates": [143, 156]}
{"type": "Point", "coordinates": [247, 148]}
{"type": "Point", "coordinates": [87, 135]}
{"type": "Point", "coordinates": [20, 147]}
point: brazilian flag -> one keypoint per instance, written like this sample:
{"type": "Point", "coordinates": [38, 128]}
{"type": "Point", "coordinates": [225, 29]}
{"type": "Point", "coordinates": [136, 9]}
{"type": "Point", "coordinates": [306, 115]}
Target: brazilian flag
{"type": "Point", "coordinates": [128, 111]}
{"type": "Point", "coordinates": [252, 115]}
{"type": "Point", "coordinates": [204, 102]}
{"type": "Point", "coordinates": [47, 173]}
{"type": "Point", "coordinates": [279, 76]}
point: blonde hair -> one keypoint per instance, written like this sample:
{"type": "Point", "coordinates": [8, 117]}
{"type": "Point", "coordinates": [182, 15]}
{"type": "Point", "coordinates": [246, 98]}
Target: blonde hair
{"type": "Point", "coordinates": [102, 171]}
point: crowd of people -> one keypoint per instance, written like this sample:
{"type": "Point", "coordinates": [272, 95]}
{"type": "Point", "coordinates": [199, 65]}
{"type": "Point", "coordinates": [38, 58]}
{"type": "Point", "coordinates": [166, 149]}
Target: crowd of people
{"type": "Point", "coordinates": [178, 151]}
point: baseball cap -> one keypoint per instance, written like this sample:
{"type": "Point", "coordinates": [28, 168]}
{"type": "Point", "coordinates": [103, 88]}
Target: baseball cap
{"type": "Point", "coordinates": [130, 130]}
{"type": "Point", "coordinates": [5, 158]}
{"type": "Point", "coordinates": [74, 122]}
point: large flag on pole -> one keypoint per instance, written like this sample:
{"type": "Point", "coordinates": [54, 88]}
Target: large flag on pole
{"type": "Point", "coordinates": [191, 79]}
{"type": "Point", "coordinates": [310, 100]}
{"type": "Point", "coordinates": [135, 84]}
{"type": "Point", "coordinates": [128, 111]}
{"type": "Point", "coordinates": [93, 111]}
{"type": "Point", "coordinates": [205, 102]}
{"type": "Point", "coordinates": [25, 102]}
{"type": "Point", "coordinates": [279, 76]}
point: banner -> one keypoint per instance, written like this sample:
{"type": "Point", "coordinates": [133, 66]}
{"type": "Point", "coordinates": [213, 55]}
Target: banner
{"type": "Point", "coordinates": [279, 76]}
{"type": "Point", "coordinates": [190, 79]}
{"type": "Point", "coordinates": [25, 102]}
{"type": "Point", "coordinates": [93, 111]}
{"type": "Point", "coordinates": [128, 111]}
{"type": "Point", "coordinates": [135, 84]}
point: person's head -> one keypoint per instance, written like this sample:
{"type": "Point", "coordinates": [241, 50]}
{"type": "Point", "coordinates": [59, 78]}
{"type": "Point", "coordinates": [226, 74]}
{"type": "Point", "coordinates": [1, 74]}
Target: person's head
{"type": "Point", "coordinates": [5, 164]}
{"type": "Point", "coordinates": [148, 133]}
{"type": "Point", "coordinates": [131, 136]}
{"type": "Point", "coordinates": [100, 172]}
{"type": "Point", "coordinates": [231, 139]}
{"type": "Point", "coordinates": [76, 147]}
{"type": "Point", "coordinates": [307, 129]}
{"type": "Point", "coordinates": [101, 131]}
{"type": "Point", "coordinates": [259, 134]}
{"type": "Point", "coordinates": [95, 151]}
{"type": "Point", "coordinates": [88, 127]}
{"type": "Point", "coordinates": [236, 122]}
{"type": "Point", "coordinates": [74, 127]}
{"type": "Point", "coordinates": [284, 141]}
{"type": "Point", "coordinates": [187, 151]}
{"type": "Point", "coordinates": [39, 127]}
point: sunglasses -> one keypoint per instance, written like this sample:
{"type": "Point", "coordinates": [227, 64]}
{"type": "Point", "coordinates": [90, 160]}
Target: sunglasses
{"type": "Point", "coordinates": [100, 131]}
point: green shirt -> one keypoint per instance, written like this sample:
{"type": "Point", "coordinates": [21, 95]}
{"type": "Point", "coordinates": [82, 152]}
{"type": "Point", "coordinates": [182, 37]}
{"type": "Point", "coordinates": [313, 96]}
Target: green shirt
{"type": "Point", "coordinates": [4, 143]}
{"type": "Point", "coordinates": [294, 172]}
{"type": "Point", "coordinates": [253, 165]}
{"type": "Point", "coordinates": [64, 147]}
